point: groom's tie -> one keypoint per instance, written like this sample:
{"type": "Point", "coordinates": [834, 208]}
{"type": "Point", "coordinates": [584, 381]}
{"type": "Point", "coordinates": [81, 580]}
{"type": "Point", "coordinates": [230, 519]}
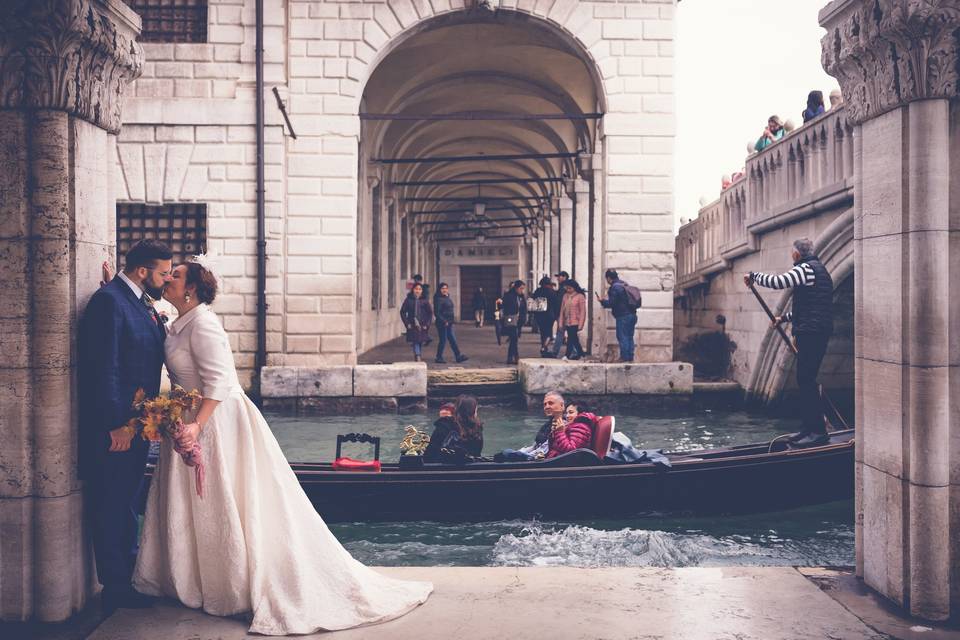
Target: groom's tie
{"type": "Point", "coordinates": [148, 303]}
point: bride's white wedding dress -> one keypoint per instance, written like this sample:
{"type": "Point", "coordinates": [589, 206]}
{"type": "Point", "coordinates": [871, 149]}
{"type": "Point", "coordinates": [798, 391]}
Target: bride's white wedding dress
{"type": "Point", "coordinates": [253, 543]}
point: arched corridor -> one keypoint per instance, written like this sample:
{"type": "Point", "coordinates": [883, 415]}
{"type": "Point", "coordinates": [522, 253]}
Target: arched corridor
{"type": "Point", "coordinates": [478, 143]}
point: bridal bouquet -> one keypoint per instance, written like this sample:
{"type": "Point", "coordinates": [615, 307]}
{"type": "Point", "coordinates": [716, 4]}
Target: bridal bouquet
{"type": "Point", "coordinates": [163, 415]}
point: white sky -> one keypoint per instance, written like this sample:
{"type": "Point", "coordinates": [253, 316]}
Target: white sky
{"type": "Point", "coordinates": [737, 63]}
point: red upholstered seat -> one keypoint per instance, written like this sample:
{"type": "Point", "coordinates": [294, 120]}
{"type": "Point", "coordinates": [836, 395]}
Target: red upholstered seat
{"type": "Point", "coordinates": [603, 435]}
{"type": "Point", "coordinates": [349, 464]}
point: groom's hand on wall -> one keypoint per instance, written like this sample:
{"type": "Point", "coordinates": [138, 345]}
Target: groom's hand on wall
{"type": "Point", "coordinates": [120, 439]}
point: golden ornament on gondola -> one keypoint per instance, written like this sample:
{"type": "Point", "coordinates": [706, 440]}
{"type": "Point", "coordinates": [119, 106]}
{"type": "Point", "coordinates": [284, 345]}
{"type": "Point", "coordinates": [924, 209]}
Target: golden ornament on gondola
{"type": "Point", "coordinates": [414, 442]}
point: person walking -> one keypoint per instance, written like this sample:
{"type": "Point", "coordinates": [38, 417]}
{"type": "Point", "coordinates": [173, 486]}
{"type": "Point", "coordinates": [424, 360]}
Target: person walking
{"type": "Point", "coordinates": [479, 307]}
{"type": "Point", "coordinates": [573, 317]}
{"type": "Point", "coordinates": [812, 319]}
{"type": "Point", "coordinates": [547, 300]}
{"type": "Point", "coordinates": [623, 301]}
{"type": "Point", "coordinates": [416, 314]}
{"type": "Point", "coordinates": [560, 339]}
{"type": "Point", "coordinates": [514, 315]}
{"type": "Point", "coordinates": [446, 316]}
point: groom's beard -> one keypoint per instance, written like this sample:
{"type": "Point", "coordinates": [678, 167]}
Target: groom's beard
{"type": "Point", "coordinates": [154, 292]}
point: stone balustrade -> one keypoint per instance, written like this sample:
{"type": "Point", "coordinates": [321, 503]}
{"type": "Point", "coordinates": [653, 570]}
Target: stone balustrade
{"type": "Point", "coordinates": [808, 171]}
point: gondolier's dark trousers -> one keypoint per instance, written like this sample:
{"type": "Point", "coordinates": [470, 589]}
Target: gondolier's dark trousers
{"type": "Point", "coordinates": [811, 347]}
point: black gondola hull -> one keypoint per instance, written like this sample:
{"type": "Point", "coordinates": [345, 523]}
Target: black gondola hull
{"type": "Point", "coordinates": [737, 480]}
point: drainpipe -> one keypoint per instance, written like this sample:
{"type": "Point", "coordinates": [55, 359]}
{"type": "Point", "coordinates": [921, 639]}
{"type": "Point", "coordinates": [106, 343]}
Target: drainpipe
{"type": "Point", "coordinates": [261, 357]}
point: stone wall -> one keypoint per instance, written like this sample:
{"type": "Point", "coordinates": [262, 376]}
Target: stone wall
{"type": "Point", "coordinates": [189, 137]}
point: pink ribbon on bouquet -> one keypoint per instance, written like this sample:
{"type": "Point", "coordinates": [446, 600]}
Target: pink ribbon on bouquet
{"type": "Point", "coordinates": [192, 456]}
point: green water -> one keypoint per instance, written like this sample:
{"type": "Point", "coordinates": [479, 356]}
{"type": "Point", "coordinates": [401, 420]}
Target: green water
{"type": "Point", "coordinates": [812, 536]}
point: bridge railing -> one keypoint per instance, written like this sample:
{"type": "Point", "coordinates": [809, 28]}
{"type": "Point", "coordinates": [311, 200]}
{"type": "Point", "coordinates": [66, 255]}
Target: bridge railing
{"type": "Point", "coordinates": [809, 170]}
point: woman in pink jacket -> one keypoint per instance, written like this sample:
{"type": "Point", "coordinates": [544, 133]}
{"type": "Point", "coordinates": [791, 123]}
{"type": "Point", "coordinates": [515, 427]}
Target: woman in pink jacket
{"type": "Point", "coordinates": [573, 315]}
{"type": "Point", "coordinates": [568, 436]}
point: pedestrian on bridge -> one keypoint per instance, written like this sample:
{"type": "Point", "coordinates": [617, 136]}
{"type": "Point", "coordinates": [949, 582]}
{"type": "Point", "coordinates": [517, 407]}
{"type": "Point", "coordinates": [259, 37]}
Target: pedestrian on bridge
{"type": "Point", "coordinates": [812, 319]}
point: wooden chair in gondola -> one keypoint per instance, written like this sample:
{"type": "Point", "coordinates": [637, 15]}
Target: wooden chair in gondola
{"type": "Point", "coordinates": [342, 463]}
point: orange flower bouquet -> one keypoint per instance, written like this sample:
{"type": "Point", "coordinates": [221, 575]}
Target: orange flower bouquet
{"type": "Point", "coordinates": [163, 416]}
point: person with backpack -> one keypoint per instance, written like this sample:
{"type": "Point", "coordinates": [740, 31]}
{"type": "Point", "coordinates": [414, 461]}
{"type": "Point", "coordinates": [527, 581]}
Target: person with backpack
{"type": "Point", "coordinates": [623, 300]}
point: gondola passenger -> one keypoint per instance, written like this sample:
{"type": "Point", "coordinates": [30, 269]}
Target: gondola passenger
{"type": "Point", "coordinates": [459, 437]}
{"type": "Point", "coordinates": [441, 429]}
{"type": "Point", "coordinates": [566, 437]}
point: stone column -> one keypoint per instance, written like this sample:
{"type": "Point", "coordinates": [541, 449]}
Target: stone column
{"type": "Point", "coordinates": [581, 229]}
{"type": "Point", "coordinates": [65, 64]}
{"type": "Point", "coordinates": [554, 226]}
{"type": "Point", "coordinates": [897, 63]}
{"type": "Point", "coordinates": [565, 220]}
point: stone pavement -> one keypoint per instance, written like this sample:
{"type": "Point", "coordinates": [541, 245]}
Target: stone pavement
{"type": "Point", "coordinates": [761, 603]}
{"type": "Point", "coordinates": [479, 344]}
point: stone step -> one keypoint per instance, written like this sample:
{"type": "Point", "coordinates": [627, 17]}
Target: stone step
{"type": "Point", "coordinates": [439, 378]}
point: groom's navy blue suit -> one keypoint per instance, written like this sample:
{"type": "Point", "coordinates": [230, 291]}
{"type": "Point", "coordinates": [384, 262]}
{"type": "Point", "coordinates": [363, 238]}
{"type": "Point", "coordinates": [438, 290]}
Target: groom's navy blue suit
{"type": "Point", "coordinates": [121, 350]}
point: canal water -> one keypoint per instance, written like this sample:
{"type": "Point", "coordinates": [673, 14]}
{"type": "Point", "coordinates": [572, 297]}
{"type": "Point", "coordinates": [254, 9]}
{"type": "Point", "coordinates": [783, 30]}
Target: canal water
{"type": "Point", "coordinates": [811, 536]}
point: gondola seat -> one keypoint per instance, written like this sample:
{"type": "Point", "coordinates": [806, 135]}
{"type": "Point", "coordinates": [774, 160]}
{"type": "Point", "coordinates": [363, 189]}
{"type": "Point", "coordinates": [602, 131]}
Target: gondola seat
{"type": "Point", "coordinates": [575, 458]}
{"type": "Point", "coordinates": [603, 435]}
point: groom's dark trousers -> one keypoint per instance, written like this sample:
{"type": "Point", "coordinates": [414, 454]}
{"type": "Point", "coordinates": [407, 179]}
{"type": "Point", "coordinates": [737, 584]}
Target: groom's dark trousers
{"type": "Point", "coordinates": [120, 346]}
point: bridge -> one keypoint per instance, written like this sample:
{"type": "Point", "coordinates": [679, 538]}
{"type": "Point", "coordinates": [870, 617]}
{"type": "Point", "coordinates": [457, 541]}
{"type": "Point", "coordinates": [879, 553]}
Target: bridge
{"type": "Point", "coordinates": [802, 185]}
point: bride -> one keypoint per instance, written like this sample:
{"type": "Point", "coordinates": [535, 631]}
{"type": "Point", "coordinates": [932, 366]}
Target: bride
{"type": "Point", "coordinates": [253, 542]}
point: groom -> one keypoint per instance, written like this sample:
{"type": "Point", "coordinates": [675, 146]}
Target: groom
{"type": "Point", "coordinates": [120, 350]}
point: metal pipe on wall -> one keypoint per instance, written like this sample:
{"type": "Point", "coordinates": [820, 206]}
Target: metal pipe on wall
{"type": "Point", "coordinates": [261, 355]}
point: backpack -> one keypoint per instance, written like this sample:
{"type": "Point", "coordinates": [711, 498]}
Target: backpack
{"type": "Point", "coordinates": [633, 295]}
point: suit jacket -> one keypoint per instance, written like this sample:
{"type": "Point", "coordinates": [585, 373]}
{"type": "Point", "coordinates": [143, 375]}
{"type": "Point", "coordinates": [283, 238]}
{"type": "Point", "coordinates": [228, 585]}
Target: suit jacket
{"type": "Point", "coordinates": [120, 349]}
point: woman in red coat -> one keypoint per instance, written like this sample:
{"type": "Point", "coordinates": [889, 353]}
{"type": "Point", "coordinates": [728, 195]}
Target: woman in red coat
{"type": "Point", "coordinates": [565, 437]}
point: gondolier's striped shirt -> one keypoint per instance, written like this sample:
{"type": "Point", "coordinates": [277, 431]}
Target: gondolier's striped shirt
{"type": "Point", "coordinates": [801, 275]}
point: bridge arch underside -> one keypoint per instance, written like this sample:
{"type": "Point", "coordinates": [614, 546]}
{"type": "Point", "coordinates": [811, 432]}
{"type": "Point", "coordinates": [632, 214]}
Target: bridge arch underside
{"type": "Point", "coordinates": [476, 137]}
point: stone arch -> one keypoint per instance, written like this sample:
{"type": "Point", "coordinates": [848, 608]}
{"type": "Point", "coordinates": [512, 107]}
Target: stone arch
{"type": "Point", "coordinates": [512, 61]}
{"type": "Point", "coordinates": [397, 21]}
{"type": "Point", "coordinates": [774, 363]}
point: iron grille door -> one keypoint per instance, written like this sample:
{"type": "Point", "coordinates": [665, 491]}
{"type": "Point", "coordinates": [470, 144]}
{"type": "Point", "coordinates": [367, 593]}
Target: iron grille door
{"type": "Point", "coordinates": [181, 226]}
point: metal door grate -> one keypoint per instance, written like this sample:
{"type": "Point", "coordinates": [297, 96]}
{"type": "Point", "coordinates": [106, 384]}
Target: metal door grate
{"type": "Point", "coordinates": [172, 20]}
{"type": "Point", "coordinates": [181, 226]}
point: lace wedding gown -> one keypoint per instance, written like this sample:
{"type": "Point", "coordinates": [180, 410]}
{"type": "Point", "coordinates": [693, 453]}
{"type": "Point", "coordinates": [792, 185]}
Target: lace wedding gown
{"type": "Point", "coordinates": [253, 543]}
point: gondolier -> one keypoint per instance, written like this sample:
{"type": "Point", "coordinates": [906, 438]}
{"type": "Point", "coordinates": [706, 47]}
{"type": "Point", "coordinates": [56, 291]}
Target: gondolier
{"type": "Point", "coordinates": [812, 326]}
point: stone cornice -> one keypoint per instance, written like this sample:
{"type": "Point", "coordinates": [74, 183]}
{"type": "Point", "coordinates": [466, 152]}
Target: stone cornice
{"type": "Point", "coordinates": [886, 53]}
{"type": "Point", "coordinates": [76, 56]}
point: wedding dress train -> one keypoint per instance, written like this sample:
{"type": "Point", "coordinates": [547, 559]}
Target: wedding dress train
{"type": "Point", "coordinates": [253, 543]}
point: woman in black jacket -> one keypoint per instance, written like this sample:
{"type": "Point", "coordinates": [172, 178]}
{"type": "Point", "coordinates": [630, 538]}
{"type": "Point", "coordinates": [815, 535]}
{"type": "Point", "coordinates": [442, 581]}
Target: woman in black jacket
{"type": "Point", "coordinates": [456, 438]}
{"type": "Point", "coordinates": [546, 318]}
{"type": "Point", "coordinates": [416, 315]}
{"type": "Point", "coordinates": [514, 316]}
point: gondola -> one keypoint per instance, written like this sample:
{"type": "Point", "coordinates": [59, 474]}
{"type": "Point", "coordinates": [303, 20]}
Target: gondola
{"type": "Point", "coordinates": [581, 484]}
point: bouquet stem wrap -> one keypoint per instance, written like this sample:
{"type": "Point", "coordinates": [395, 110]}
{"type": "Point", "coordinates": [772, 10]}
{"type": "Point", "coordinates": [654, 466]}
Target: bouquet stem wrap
{"type": "Point", "coordinates": [164, 415]}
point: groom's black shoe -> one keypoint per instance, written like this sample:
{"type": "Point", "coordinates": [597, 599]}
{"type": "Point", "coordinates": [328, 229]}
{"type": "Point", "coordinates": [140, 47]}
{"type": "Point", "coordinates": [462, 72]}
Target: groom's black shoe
{"type": "Point", "coordinates": [114, 598]}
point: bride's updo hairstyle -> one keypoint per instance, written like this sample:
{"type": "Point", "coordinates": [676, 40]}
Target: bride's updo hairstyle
{"type": "Point", "coordinates": [203, 280]}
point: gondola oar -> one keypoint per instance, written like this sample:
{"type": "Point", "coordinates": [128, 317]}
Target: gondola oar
{"type": "Point", "coordinates": [793, 348]}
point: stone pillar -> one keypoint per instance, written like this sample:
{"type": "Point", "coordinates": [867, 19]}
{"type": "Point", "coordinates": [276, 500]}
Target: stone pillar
{"type": "Point", "coordinates": [897, 63]}
{"type": "Point", "coordinates": [566, 234]}
{"type": "Point", "coordinates": [65, 66]}
{"type": "Point", "coordinates": [554, 226]}
{"type": "Point", "coordinates": [581, 229]}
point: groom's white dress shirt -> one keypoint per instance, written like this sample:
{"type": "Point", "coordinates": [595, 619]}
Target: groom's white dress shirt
{"type": "Point", "coordinates": [137, 291]}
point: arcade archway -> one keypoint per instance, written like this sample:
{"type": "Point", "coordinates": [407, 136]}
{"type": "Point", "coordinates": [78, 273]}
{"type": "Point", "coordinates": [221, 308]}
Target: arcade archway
{"type": "Point", "coordinates": [478, 137]}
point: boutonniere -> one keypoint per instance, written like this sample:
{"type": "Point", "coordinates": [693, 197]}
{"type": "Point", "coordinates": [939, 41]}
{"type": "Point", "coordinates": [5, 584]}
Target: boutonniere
{"type": "Point", "coordinates": [163, 317]}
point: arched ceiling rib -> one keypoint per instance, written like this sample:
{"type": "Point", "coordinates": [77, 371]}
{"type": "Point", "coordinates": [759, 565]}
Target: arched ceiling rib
{"type": "Point", "coordinates": [501, 65]}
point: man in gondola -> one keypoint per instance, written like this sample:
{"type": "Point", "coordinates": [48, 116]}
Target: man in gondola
{"type": "Point", "coordinates": [812, 320]}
